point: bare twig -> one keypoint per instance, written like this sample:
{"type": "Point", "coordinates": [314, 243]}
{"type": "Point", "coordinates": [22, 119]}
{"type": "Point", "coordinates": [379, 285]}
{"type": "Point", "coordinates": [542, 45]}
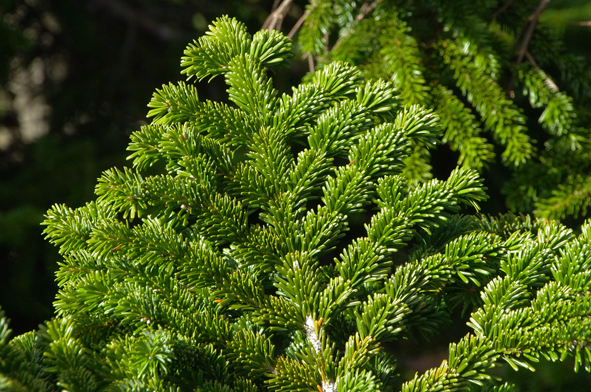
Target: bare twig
{"type": "Point", "coordinates": [366, 8]}
{"type": "Point", "coordinates": [500, 10]}
{"type": "Point", "coordinates": [531, 60]}
{"type": "Point", "coordinates": [298, 24]}
{"type": "Point", "coordinates": [311, 63]}
{"type": "Point", "coordinates": [583, 23]}
{"type": "Point", "coordinates": [533, 20]}
{"type": "Point", "coordinates": [530, 31]}
{"type": "Point", "coordinates": [275, 19]}
{"type": "Point", "coordinates": [549, 82]}
{"type": "Point", "coordinates": [275, 5]}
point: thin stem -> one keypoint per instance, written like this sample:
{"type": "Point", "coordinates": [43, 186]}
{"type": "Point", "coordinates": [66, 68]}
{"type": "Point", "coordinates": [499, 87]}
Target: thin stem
{"type": "Point", "coordinates": [549, 82]}
{"type": "Point", "coordinates": [533, 20]}
{"type": "Point", "coordinates": [298, 24]}
{"type": "Point", "coordinates": [275, 19]}
{"type": "Point", "coordinates": [530, 31]}
{"type": "Point", "coordinates": [275, 5]}
{"type": "Point", "coordinates": [311, 63]}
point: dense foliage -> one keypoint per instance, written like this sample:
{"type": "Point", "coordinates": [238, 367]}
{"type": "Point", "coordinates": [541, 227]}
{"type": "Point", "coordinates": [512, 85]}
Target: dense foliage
{"type": "Point", "coordinates": [75, 78]}
{"type": "Point", "coordinates": [484, 67]}
{"type": "Point", "coordinates": [277, 243]}
{"type": "Point", "coordinates": [47, 48]}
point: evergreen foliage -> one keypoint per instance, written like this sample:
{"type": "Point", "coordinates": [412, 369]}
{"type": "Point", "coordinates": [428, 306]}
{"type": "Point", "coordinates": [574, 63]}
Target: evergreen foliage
{"type": "Point", "coordinates": [276, 243]}
{"type": "Point", "coordinates": [482, 66]}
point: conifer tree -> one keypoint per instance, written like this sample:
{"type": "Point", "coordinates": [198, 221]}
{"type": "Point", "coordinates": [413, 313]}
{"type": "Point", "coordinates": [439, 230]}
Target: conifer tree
{"type": "Point", "coordinates": [483, 67]}
{"type": "Point", "coordinates": [274, 243]}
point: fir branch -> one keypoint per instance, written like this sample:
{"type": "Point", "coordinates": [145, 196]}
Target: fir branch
{"type": "Point", "coordinates": [312, 36]}
{"type": "Point", "coordinates": [462, 132]}
{"type": "Point", "coordinates": [366, 9]}
{"type": "Point", "coordinates": [401, 59]}
{"type": "Point", "coordinates": [220, 273]}
{"type": "Point", "coordinates": [571, 198]}
{"type": "Point", "coordinates": [547, 80]}
{"type": "Point", "coordinates": [558, 116]}
{"type": "Point", "coordinates": [500, 114]}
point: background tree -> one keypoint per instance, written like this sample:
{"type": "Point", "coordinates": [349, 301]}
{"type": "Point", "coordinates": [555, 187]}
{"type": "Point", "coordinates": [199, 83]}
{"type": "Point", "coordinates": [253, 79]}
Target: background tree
{"type": "Point", "coordinates": [503, 82]}
{"type": "Point", "coordinates": [67, 71]}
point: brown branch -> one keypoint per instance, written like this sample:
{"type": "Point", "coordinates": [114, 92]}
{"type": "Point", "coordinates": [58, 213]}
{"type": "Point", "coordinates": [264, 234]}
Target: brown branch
{"type": "Point", "coordinates": [363, 12]}
{"type": "Point", "coordinates": [275, 5]}
{"type": "Point", "coordinates": [275, 19]}
{"type": "Point", "coordinates": [366, 9]}
{"type": "Point", "coordinates": [530, 31]}
{"type": "Point", "coordinates": [533, 20]}
{"type": "Point", "coordinates": [500, 11]}
{"type": "Point", "coordinates": [531, 60]}
{"type": "Point", "coordinates": [583, 23]}
{"type": "Point", "coordinates": [298, 24]}
{"type": "Point", "coordinates": [311, 63]}
{"type": "Point", "coordinates": [549, 82]}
